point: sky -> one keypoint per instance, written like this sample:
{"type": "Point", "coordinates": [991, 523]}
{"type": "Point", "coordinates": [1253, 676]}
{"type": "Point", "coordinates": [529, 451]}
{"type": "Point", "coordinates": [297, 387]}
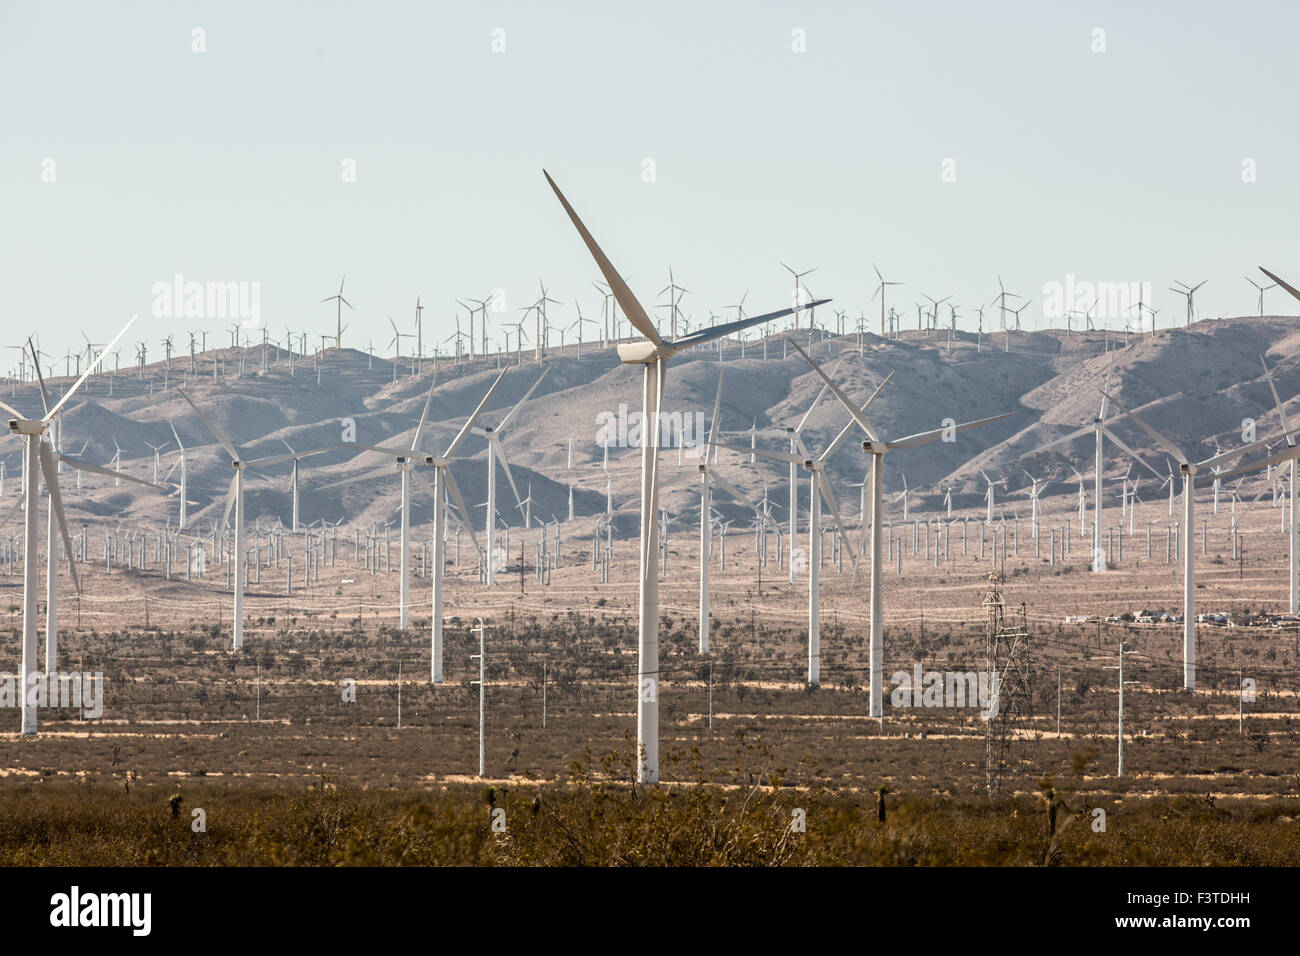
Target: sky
{"type": "Point", "coordinates": [948, 143]}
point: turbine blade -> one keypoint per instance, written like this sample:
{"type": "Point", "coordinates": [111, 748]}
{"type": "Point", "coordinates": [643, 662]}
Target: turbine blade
{"type": "Point", "coordinates": [834, 446]}
{"type": "Point", "coordinates": [388, 470]}
{"type": "Point", "coordinates": [1282, 282]}
{"type": "Point", "coordinates": [281, 459]}
{"type": "Point", "coordinates": [56, 503]}
{"type": "Point", "coordinates": [717, 404]}
{"type": "Point", "coordinates": [1287, 454]}
{"type": "Point", "coordinates": [222, 439]}
{"type": "Point", "coordinates": [469, 422]}
{"type": "Point", "coordinates": [424, 415]}
{"type": "Point", "coordinates": [505, 466]}
{"type": "Point", "coordinates": [763, 453]}
{"type": "Point", "coordinates": [1072, 436]}
{"type": "Point", "coordinates": [460, 506]}
{"type": "Point", "coordinates": [528, 394]}
{"type": "Point", "coordinates": [923, 438]}
{"type": "Point", "coordinates": [731, 489]}
{"type": "Point", "coordinates": [89, 369]}
{"type": "Point", "coordinates": [700, 336]}
{"type": "Point", "coordinates": [825, 488]}
{"type": "Point", "coordinates": [1159, 439]}
{"type": "Point", "coordinates": [631, 307]}
{"type": "Point", "coordinates": [1281, 412]}
{"type": "Point", "coordinates": [97, 469]}
{"type": "Point", "coordinates": [230, 501]}
{"type": "Point", "coordinates": [844, 399]}
{"type": "Point", "coordinates": [36, 363]}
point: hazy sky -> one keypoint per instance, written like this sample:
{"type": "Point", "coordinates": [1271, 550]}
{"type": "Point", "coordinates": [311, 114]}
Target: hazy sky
{"type": "Point", "coordinates": [227, 165]}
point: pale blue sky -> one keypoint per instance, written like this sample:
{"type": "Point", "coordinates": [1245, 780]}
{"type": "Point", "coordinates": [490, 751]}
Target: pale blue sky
{"type": "Point", "coordinates": [225, 165]}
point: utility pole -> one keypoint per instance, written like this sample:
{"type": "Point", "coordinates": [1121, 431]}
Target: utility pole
{"type": "Point", "coordinates": [544, 675]}
{"type": "Point", "coordinates": [1119, 764]}
{"type": "Point", "coordinates": [399, 695]}
{"type": "Point", "coordinates": [481, 630]}
{"type": "Point", "coordinates": [1058, 700]}
{"type": "Point", "coordinates": [710, 696]}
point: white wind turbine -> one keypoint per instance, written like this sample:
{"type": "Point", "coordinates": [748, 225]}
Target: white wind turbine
{"type": "Point", "coordinates": [404, 462]}
{"type": "Point", "coordinates": [709, 475]}
{"type": "Point", "coordinates": [881, 286]}
{"type": "Point", "coordinates": [1034, 491]}
{"type": "Point", "coordinates": [1189, 470]}
{"type": "Point", "coordinates": [443, 482]}
{"type": "Point", "coordinates": [235, 500]}
{"type": "Point", "coordinates": [51, 565]}
{"type": "Point", "coordinates": [1293, 572]}
{"type": "Point", "coordinates": [819, 490]}
{"type": "Point", "coordinates": [180, 523]}
{"type": "Point", "coordinates": [653, 355]}
{"type": "Point", "coordinates": [797, 448]}
{"type": "Point", "coordinates": [338, 315]}
{"type": "Point", "coordinates": [1099, 429]}
{"type": "Point", "coordinates": [878, 447]}
{"type": "Point", "coordinates": [988, 496]}
{"type": "Point", "coordinates": [39, 462]}
{"type": "Point", "coordinates": [495, 451]}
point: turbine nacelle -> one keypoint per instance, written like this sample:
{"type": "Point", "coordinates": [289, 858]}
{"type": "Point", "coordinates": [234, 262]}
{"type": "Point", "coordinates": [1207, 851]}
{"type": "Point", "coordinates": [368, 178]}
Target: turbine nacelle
{"type": "Point", "coordinates": [27, 426]}
{"type": "Point", "coordinates": [643, 353]}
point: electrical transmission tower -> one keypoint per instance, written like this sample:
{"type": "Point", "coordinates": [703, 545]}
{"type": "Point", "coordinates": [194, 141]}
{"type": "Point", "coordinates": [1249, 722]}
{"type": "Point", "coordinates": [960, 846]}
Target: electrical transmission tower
{"type": "Point", "coordinates": [1010, 740]}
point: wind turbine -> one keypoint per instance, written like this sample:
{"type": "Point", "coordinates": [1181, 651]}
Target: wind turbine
{"type": "Point", "coordinates": [880, 291]}
{"type": "Point", "coordinates": [988, 496]}
{"type": "Point", "coordinates": [443, 482]}
{"type": "Point", "coordinates": [1292, 576]}
{"type": "Point", "coordinates": [340, 302]}
{"type": "Point", "coordinates": [675, 293]}
{"type": "Point", "coordinates": [819, 491]}
{"type": "Point", "coordinates": [235, 500]}
{"type": "Point", "coordinates": [1001, 300]}
{"type": "Point", "coordinates": [1189, 470]}
{"type": "Point", "coordinates": [708, 475]}
{"type": "Point", "coordinates": [878, 447]}
{"type": "Point", "coordinates": [1099, 429]}
{"type": "Point", "coordinates": [653, 355]}
{"type": "Point", "coordinates": [180, 523]}
{"type": "Point", "coordinates": [1261, 289]}
{"type": "Point", "coordinates": [1188, 291]}
{"type": "Point", "coordinates": [405, 459]}
{"type": "Point", "coordinates": [495, 451]}
{"type": "Point", "coordinates": [799, 292]}
{"type": "Point", "coordinates": [38, 463]}
{"type": "Point", "coordinates": [1034, 491]}
{"type": "Point", "coordinates": [293, 484]}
